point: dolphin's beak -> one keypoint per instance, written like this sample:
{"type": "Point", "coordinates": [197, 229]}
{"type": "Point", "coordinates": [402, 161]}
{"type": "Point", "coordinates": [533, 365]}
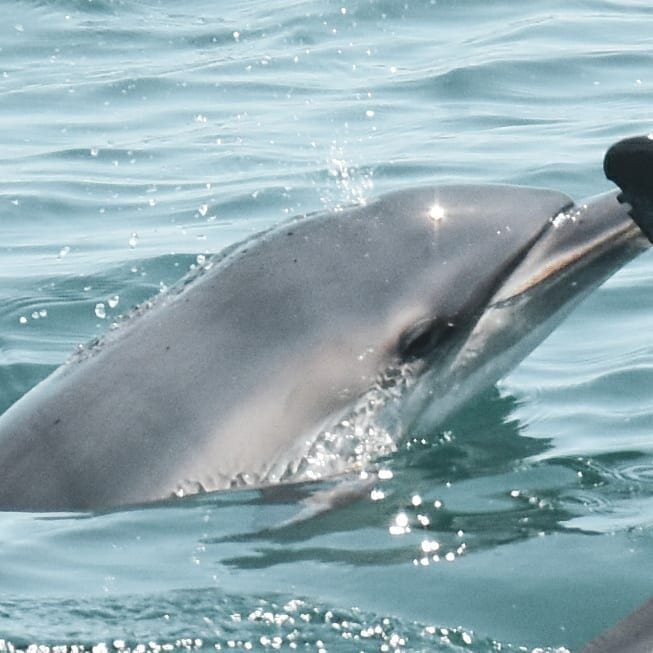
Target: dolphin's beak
{"type": "Point", "coordinates": [629, 164]}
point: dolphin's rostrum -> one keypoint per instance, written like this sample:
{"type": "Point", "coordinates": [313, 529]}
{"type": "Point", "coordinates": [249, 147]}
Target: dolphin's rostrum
{"type": "Point", "coordinates": [233, 379]}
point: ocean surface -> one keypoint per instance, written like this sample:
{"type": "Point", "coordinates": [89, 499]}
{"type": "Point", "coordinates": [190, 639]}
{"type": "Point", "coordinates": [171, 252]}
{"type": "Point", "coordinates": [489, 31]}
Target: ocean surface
{"type": "Point", "coordinates": [138, 137]}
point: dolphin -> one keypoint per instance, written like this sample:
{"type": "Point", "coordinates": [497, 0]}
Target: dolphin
{"type": "Point", "coordinates": [279, 361]}
{"type": "Point", "coordinates": [634, 634]}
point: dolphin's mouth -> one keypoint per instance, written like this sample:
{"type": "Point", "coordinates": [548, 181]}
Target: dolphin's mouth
{"type": "Point", "coordinates": [578, 235]}
{"type": "Point", "coordinates": [578, 250]}
{"type": "Point", "coordinates": [565, 245]}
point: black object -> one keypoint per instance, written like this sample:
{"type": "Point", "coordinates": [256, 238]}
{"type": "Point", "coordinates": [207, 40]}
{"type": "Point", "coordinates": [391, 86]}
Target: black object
{"type": "Point", "coordinates": [629, 164]}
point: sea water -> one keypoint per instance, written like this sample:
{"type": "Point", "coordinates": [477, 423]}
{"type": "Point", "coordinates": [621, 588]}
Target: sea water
{"type": "Point", "coordinates": [140, 136]}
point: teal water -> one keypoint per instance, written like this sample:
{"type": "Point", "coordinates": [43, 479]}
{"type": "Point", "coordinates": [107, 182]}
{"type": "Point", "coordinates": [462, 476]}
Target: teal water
{"type": "Point", "coordinates": [139, 135]}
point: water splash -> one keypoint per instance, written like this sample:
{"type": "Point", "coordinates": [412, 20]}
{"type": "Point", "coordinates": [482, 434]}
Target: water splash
{"type": "Point", "coordinates": [354, 185]}
{"type": "Point", "coordinates": [370, 430]}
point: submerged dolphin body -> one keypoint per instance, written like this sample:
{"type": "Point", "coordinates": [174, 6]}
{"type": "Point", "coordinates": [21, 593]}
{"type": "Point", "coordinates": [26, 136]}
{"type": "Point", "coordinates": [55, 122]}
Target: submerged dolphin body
{"type": "Point", "coordinates": [233, 379]}
{"type": "Point", "coordinates": [632, 635]}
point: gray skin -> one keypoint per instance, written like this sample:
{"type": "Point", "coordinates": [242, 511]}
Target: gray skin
{"type": "Point", "coordinates": [230, 380]}
{"type": "Point", "coordinates": [632, 635]}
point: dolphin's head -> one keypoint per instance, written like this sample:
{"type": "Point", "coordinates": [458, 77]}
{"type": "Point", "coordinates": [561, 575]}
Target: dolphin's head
{"type": "Point", "coordinates": [239, 372]}
{"type": "Point", "coordinates": [574, 249]}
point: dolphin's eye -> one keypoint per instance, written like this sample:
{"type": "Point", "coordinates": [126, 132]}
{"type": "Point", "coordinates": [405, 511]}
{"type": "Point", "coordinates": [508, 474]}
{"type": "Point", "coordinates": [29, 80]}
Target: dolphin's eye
{"type": "Point", "coordinates": [421, 338]}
